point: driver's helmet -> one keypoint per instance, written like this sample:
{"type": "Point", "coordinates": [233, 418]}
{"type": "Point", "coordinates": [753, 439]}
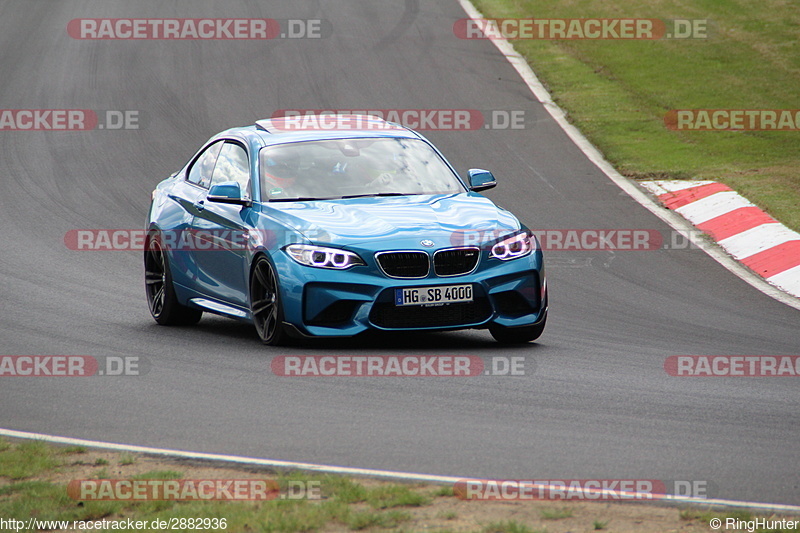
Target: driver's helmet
{"type": "Point", "coordinates": [282, 169]}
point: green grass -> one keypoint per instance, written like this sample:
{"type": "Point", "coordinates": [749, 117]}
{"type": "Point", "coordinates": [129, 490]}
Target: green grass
{"type": "Point", "coordinates": [127, 459]}
{"type": "Point", "coordinates": [343, 501]}
{"type": "Point", "coordinates": [26, 460]}
{"type": "Point", "coordinates": [103, 473]}
{"type": "Point", "coordinates": [390, 496]}
{"type": "Point", "coordinates": [617, 92]}
{"type": "Point", "coordinates": [368, 519]}
{"type": "Point", "coordinates": [444, 491]}
{"type": "Point", "coordinates": [705, 516]}
{"type": "Point", "coordinates": [344, 489]}
{"type": "Point", "coordinates": [556, 514]}
{"type": "Point", "coordinates": [47, 501]}
{"type": "Point", "coordinates": [159, 474]}
{"type": "Point", "coordinates": [71, 450]}
{"type": "Point", "coordinates": [511, 526]}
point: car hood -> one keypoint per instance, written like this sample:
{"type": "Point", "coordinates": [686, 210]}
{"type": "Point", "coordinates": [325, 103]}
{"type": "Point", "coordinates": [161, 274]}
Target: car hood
{"type": "Point", "coordinates": [459, 219]}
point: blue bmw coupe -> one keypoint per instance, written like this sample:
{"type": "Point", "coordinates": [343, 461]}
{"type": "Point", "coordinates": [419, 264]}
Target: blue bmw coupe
{"type": "Point", "coordinates": [316, 226]}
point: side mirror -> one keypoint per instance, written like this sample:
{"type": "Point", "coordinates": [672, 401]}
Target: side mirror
{"type": "Point", "coordinates": [227, 193]}
{"type": "Point", "coordinates": [480, 180]}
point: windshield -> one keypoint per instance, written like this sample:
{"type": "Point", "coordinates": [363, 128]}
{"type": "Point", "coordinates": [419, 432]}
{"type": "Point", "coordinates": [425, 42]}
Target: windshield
{"type": "Point", "coordinates": [347, 168]}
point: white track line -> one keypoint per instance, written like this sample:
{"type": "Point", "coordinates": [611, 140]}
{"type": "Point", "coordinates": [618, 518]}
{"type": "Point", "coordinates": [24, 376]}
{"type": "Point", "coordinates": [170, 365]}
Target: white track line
{"type": "Point", "coordinates": [385, 474]}
{"type": "Point", "coordinates": [677, 222]}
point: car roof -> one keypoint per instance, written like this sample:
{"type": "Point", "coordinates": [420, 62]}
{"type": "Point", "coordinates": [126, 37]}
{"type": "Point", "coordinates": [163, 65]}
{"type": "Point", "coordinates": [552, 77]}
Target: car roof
{"type": "Point", "coordinates": [279, 130]}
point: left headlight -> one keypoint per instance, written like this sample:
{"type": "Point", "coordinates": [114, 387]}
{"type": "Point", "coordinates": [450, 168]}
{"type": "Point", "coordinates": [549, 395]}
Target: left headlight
{"type": "Point", "coordinates": [323, 257]}
{"type": "Point", "coordinates": [513, 247]}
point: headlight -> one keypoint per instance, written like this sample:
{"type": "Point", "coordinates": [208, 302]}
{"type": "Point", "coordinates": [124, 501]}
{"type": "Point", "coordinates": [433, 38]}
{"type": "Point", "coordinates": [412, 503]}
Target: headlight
{"type": "Point", "coordinates": [322, 257]}
{"type": "Point", "coordinates": [518, 245]}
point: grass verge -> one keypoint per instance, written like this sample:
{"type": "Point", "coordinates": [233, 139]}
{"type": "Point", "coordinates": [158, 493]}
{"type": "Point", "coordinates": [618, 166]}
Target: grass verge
{"type": "Point", "coordinates": [343, 504]}
{"type": "Point", "coordinates": [617, 92]}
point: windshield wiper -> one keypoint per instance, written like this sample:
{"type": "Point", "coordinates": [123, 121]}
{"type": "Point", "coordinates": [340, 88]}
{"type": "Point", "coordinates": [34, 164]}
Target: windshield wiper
{"type": "Point", "coordinates": [300, 199]}
{"type": "Point", "coordinates": [375, 194]}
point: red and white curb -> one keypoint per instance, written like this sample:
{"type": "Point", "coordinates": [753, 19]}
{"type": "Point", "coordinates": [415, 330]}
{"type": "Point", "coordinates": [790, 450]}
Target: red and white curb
{"type": "Point", "coordinates": [742, 229]}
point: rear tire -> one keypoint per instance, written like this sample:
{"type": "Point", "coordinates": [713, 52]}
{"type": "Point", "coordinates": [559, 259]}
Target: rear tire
{"type": "Point", "coordinates": [522, 335]}
{"type": "Point", "coordinates": [265, 304]}
{"type": "Point", "coordinates": [161, 298]}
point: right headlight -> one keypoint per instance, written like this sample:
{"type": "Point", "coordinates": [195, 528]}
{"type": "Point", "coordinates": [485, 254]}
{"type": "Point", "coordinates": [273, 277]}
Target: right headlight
{"type": "Point", "coordinates": [514, 246]}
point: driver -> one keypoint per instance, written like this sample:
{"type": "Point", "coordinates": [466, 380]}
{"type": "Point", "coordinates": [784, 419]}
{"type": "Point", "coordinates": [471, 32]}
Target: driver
{"type": "Point", "coordinates": [287, 175]}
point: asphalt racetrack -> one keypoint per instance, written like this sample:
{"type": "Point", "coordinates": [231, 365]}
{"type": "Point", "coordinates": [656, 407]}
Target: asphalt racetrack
{"type": "Point", "coordinates": [594, 402]}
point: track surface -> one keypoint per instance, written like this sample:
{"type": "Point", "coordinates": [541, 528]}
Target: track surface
{"type": "Point", "coordinates": [595, 401]}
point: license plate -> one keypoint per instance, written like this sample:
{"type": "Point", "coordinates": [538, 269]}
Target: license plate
{"type": "Point", "coordinates": [447, 294]}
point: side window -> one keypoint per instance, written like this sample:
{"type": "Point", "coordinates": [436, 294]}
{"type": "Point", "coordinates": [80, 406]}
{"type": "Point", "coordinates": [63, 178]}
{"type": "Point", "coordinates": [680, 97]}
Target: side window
{"type": "Point", "coordinates": [232, 165]}
{"type": "Point", "coordinates": [203, 166]}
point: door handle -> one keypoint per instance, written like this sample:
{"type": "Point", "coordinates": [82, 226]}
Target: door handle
{"type": "Point", "coordinates": [200, 205]}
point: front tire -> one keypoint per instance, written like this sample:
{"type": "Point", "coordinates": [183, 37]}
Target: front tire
{"type": "Point", "coordinates": [265, 304]}
{"type": "Point", "coordinates": [161, 298]}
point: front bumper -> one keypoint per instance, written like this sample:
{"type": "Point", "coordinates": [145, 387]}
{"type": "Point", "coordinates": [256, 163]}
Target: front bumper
{"type": "Point", "coordinates": [330, 303]}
